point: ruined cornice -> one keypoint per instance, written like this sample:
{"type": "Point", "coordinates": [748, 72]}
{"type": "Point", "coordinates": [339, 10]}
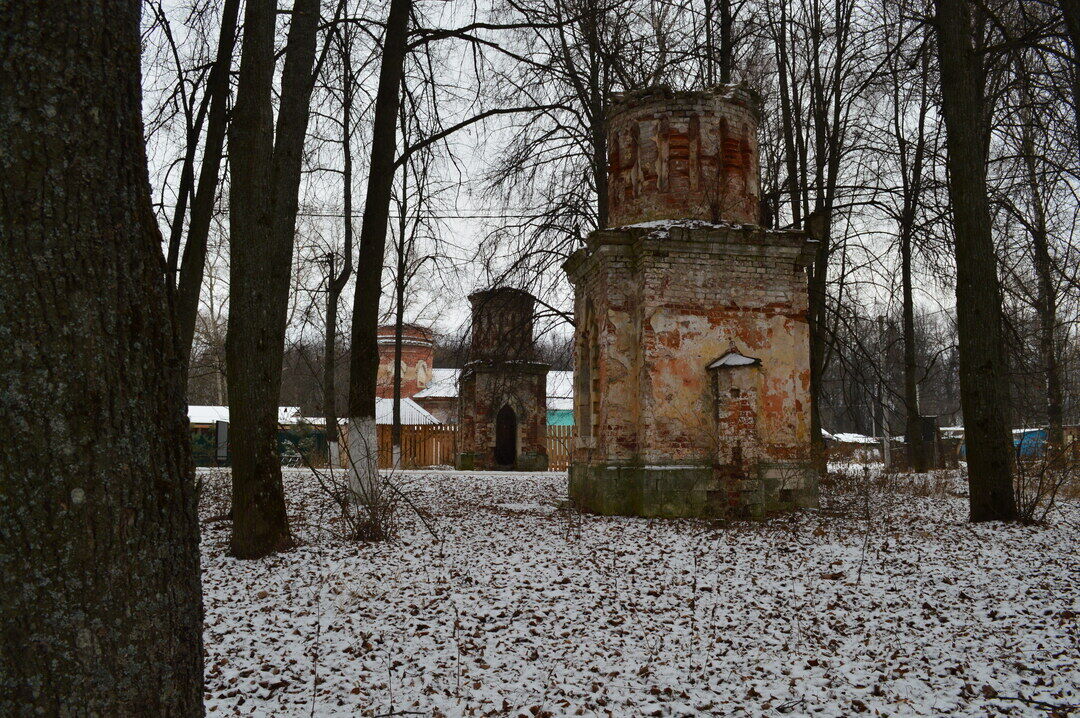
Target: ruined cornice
{"type": "Point", "coordinates": [652, 238]}
{"type": "Point", "coordinates": [740, 94]}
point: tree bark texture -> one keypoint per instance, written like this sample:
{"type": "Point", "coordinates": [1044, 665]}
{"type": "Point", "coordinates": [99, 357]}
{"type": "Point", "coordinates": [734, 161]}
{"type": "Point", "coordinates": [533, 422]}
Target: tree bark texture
{"type": "Point", "coordinates": [727, 50]}
{"type": "Point", "coordinates": [364, 359]}
{"type": "Point", "coordinates": [984, 383]}
{"type": "Point", "coordinates": [913, 440]}
{"type": "Point", "coordinates": [263, 196]}
{"type": "Point", "coordinates": [912, 179]}
{"type": "Point", "coordinates": [100, 603]}
{"type": "Point", "coordinates": [817, 320]}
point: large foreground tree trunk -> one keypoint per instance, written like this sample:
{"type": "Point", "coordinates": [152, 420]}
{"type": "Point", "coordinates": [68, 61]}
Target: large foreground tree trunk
{"type": "Point", "coordinates": [984, 386]}
{"type": "Point", "coordinates": [263, 193]}
{"type": "Point", "coordinates": [363, 371]}
{"type": "Point", "coordinates": [99, 564]}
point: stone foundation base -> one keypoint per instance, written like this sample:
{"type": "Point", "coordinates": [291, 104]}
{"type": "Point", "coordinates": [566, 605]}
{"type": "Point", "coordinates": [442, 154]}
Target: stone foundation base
{"type": "Point", "coordinates": [478, 461]}
{"type": "Point", "coordinates": [691, 491]}
{"type": "Point", "coordinates": [532, 462]}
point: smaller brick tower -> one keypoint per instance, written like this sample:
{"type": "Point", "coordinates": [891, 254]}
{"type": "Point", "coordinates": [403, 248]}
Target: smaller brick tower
{"type": "Point", "coordinates": [502, 396]}
{"type": "Point", "coordinates": [692, 376]}
{"type": "Point", "coordinates": [417, 360]}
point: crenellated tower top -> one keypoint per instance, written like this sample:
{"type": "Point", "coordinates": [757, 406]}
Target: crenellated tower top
{"type": "Point", "coordinates": [684, 155]}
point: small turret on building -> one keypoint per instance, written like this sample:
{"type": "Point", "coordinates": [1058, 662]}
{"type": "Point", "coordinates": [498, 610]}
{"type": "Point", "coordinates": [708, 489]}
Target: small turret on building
{"type": "Point", "coordinates": [502, 400]}
{"type": "Point", "coordinates": [692, 377]}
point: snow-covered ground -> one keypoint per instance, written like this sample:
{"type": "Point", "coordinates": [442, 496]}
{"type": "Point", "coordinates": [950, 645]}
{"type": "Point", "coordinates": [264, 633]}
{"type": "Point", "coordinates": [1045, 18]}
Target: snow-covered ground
{"type": "Point", "coordinates": [885, 602]}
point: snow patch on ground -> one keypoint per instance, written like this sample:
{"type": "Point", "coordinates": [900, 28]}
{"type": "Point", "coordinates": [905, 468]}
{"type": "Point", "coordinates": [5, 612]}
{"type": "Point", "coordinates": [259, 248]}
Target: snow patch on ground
{"type": "Point", "coordinates": [885, 601]}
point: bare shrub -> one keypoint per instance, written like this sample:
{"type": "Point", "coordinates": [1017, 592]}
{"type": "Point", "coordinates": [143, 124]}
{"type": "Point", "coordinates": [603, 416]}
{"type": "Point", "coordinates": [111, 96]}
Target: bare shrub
{"type": "Point", "coordinates": [366, 509]}
{"type": "Point", "coordinates": [936, 484]}
{"type": "Point", "coordinates": [1038, 481]}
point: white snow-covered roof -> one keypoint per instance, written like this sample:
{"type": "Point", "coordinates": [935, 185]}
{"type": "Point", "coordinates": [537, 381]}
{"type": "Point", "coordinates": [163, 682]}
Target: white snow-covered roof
{"type": "Point", "coordinates": [444, 384]}
{"type": "Point", "coordinates": [734, 359]}
{"type": "Point", "coordinates": [848, 438]}
{"type": "Point", "coordinates": [411, 413]}
{"type": "Point", "coordinates": [205, 414]}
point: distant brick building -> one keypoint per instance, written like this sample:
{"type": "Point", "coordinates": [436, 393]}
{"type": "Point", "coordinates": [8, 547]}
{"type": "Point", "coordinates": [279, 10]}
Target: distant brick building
{"type": "Point", "coordinates": [417, 360]}
{"type": "Point", "coordinates": [502, 402]}
{"type": "Point", "coordinates": [692, 344]}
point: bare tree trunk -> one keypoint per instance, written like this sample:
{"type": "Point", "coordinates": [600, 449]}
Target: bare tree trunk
{"type": "Point", "coordinates": [912, 188]}
{"type": "Point", "coordinates": [265, 182]}
{"type": "Point", "coordinates": [1047, 300]}
{"type": "Point", "coordinates": [1070, 9]}
{"type": "Point", "coordinates": [337, 282]}
{"type": "Point", "coordinates": [399, 308]}
{"type": "Point", "coordinates": [597, 109]}
{"type": "Point", "coordinates": [790, 156]}
{"type": "Point", "coordinates": [100, 601]}
{"type": "Point", "coordinates": [727, 52]}
{"type": "Point", "coordinates": [363, 448]}
{"type": "Point", "coordinates": [710, 45]}
{"type": "Point", "coordinates": [913, 442]}
{"type": "Point", "coordinates": [983, 377]}
{"type": "Point", "coordinates": [202, 205]}
{"type": "Point", "coordinates": [816, 314]}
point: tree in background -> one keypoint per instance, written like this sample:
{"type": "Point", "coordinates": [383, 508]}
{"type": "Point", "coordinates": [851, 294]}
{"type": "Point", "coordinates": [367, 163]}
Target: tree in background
{"type": "Point", "coordinates": [907, 147]}
{"type": "Point", "coordinates": [265, 183]}
{"type": "Point", "coordinates": [337, 279]}
{"type": "Point", "coordinates": [100, 600]}
{"type": "Point", "coordinates": [364, 359]}
{"type": "Point", "coordinates": [984, 391]}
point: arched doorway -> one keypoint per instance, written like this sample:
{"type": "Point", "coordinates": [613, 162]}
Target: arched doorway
{"type": "Point", "coordinates": [506, 436]}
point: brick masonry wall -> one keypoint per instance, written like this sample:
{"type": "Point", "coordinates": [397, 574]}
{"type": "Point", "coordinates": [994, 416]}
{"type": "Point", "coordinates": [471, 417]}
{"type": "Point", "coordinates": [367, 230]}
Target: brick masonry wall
{"type": "Point", "coordinates": [684, 155]}
{"type": "Point", "coordinates": [502, 324]}
{"type": "Point", "coordinates": [486, 387]}
{"type": "Point", "coordinates": [417, 360]}
{"type": "Point", "coordinates": [663, 306]}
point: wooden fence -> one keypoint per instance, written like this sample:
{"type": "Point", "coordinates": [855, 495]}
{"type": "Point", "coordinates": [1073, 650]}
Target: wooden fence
{"type": "Point", "coordinates": [422, 445]}
{"type": "Point", "coordinates": [559, 444]}
{"type": "Point", "coordinates": [429, 445]}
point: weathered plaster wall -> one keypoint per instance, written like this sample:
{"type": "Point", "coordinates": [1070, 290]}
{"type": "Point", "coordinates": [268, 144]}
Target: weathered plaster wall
{"type": "Point", "coordinates": [717, 291]}
{"type": "Point", "coordinates": [657, 307]}
{"type": "Point", "coordinates": [683, 155]}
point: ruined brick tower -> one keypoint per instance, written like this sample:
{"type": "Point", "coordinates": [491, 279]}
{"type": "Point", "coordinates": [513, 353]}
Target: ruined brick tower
{"type": "Point", "coordinates": [502, 395]}
{"type": "Point", "coordinates": [692, 377]}
{"type": "Point", "coordinates": [417, 360]}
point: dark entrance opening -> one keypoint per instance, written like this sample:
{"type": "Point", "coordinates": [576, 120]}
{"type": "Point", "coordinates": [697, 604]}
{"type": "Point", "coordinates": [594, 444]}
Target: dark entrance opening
{"type": "Point", "coordinates": [505, 437]}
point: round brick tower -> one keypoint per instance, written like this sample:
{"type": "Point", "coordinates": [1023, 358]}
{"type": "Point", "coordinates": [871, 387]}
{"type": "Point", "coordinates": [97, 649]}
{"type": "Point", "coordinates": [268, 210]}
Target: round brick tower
{"type": "Point", "coordinates": [417, 360]}
{"type": "Point", "coordinates": [502, 392]}
{"type": "Point", "coordinates": [502, 324]}
{"type": "Point", "coordinates": [684, 155]}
